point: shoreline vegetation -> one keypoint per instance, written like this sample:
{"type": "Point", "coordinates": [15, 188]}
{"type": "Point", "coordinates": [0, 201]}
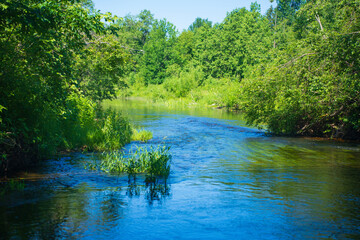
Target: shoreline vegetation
{"type": "Point", "coordinates": [294, 69]}
{"type": "Point", "coordinates": [185, 103]}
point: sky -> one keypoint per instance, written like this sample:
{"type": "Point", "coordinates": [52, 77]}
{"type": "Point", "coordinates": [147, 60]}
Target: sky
{"type": "Point", "coordinates": [181, 13]}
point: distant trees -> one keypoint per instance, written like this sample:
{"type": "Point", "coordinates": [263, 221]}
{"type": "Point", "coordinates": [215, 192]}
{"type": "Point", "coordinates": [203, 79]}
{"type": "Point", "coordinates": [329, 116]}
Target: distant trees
{"type": "Point", "coordinates": [198, 23]}
{"type": "Point", "coordinates": [157, 52]}
{"type": "Point", "coordinates": [297, 66]}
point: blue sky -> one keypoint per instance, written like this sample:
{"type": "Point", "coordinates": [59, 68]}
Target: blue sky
{"type": "Point", "coordinates": [181, 13]}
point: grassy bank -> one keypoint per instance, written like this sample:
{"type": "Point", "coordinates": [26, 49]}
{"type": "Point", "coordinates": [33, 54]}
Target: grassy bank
{"type": "Point", "coordinates": [176, 93]}
{"type": "Point", "coordinates": [82, 126]}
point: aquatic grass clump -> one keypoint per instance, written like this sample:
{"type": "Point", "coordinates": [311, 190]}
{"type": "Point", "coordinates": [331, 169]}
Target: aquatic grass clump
{"type": "Point", "coordinates": [153, 161]}
{"type": "Point", "coordinates": [141, 135]}
{"type": "Point", "coordinates": [12, 185]}
{"type": "Point", "coordinates": [158, 165]}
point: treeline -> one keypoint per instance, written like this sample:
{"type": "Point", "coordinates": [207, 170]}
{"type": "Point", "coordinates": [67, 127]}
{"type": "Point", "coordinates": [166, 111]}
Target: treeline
{"type": "Point", "coordinates": [58, 60]}
{"type": "Point", "coordinates": [294, 70]}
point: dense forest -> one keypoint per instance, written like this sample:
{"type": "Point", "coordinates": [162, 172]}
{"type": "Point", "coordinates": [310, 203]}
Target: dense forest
{"type": "Point", "coordinates": [294, 70]}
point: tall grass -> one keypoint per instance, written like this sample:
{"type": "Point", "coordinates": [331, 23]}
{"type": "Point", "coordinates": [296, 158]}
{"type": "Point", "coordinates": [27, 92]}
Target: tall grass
{"type": "Point", "coordinates": [189, 88]}
{"type": "Point", "coordinates": [93, 128]}
{"type": "Point", "coordinates": [154, 162]}
{"type": "Point", "coordinates": [141, 135]}
{"type": "Point", "coordinates": [111, 131]}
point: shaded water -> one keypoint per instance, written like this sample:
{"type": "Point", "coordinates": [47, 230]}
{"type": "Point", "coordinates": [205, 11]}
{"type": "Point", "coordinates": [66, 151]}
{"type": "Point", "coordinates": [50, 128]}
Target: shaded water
{"type": "Point", "coordinates": [228, 181]}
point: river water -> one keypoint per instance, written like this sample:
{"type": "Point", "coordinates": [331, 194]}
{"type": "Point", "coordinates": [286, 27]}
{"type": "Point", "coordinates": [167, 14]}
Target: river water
{"type": "Point", "coordinates": [227, 181]}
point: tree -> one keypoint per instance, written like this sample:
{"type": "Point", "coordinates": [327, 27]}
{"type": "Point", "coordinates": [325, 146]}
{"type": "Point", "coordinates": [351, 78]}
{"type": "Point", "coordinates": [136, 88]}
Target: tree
{"type": "Point", "coordinates": [38, 44]}
{"type": "Point", "coordinates": [237, 44]}
{"type": "Point", "coordinates": [99, 67]}
{"type": "Point", "coordinates": [286, 9]}
{"type": "Point", "coordinates": [198, 23]}
{"type": "Point", "coordinates": [157, 52]}
{"type": "Point", "coordinates": [312, 87]}
{"type": "Point", "coordinates": [132, 35]}
{"type": "Point", "coordinates": [183, 48]}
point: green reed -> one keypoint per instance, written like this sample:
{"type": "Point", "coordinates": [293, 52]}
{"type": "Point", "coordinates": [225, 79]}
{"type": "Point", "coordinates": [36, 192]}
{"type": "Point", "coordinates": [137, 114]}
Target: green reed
{"type": "Point", "coordinates": [153, 161]}
{"type": "Point", "coordinates": [141, 135]}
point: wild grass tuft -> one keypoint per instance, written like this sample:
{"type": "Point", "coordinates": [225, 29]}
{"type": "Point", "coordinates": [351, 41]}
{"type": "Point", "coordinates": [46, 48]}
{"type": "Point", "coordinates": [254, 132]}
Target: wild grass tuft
{"type": "Point", "coordinates": [154, 162]}
{"type": "Point", "coordinates": [12, 185]}
{"type": "Point", "coordinates": [141, 135]}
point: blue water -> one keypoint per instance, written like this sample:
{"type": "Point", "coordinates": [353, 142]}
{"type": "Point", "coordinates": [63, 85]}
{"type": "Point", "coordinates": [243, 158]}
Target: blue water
{"type": "Point", "coordinates": [227, 181]}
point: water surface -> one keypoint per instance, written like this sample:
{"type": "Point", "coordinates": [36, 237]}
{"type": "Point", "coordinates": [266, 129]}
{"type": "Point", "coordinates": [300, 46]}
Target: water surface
{"type": "Point", "coordinates": [228, 181]}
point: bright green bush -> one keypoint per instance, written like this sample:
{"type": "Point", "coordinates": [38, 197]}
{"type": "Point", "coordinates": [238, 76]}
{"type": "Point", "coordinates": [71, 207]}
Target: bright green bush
{"type": "Point", "coordinates": [181, 85]}
{"type": "Point", "coordinates": [86, 125]}
{"type": "Point", "coordinates": [110, 131]}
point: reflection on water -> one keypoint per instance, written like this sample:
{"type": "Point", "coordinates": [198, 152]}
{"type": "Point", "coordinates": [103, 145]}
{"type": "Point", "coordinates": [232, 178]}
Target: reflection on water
{"type": "Point", "coordinates": [54, 210]}
{"type": "Point", "coordinates": [153, 192]}
{"type": "Point", "coordinates": [227, 181]}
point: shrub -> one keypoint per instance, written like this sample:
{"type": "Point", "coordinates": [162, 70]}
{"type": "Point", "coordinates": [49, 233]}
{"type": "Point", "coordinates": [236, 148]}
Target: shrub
{"type": "Point", "coordinates": [183, 84]}
{"type": "Point", "coordinates": [110, 131]}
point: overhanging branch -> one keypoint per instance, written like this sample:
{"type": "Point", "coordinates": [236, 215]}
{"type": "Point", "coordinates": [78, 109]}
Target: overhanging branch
{"type": "Point", "coordinates": [295, 59]}
{"type": "Point", "coordinates": [124, 47]}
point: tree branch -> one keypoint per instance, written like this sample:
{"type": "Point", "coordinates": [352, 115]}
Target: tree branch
{"type": "Point", "coordinates": [124, 47]}
{"type": "Point", "coordinates": [319, 21]}
{"type": "Point", "coordinates": [295, 59]}
{"type": "Point", "coordinates": [351, 33]}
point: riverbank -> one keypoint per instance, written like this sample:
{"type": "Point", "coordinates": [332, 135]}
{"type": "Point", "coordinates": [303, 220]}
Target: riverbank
{"type": "Point", "coordinates": [218, 98]}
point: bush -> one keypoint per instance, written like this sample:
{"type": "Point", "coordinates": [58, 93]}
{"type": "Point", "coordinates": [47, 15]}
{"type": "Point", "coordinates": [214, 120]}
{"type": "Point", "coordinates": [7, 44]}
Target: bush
{"type": "Point", "coordinates": [110, 131]}
{"type": "Point", "coordinates": [183, 84]}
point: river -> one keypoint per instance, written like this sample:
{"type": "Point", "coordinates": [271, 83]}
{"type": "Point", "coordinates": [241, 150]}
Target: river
{"type": "Point", "coordinates": [227, 181]}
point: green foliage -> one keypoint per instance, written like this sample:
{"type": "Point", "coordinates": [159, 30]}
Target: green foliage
{"type": "Point", "coordinates": [183, 49]}
{"type": "Point", "coordinates": [99, 68]}
{"type": "Point", "coordinates": [198, 23]}
{"type": "Point", "coordinates": [312, 87]}
{"type": "Point", "coordinates": [182, 84]}
{"type": "Point", "coordinates": [155, 162]}
{"type": "Point", "coordinates": [50, 71]}
{"type": "Point", "coordinates": [231, 48]}
{"type": "Point", "coordinates": [111, 131]}
{"type": "Point", "coordinates": [141, 135]}
{"type": "Point", "coordinates": [157, 52]}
